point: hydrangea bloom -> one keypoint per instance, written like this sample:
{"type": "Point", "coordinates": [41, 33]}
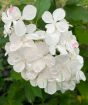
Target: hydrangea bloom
{"type": "Point", "coordinates": [30, 50]}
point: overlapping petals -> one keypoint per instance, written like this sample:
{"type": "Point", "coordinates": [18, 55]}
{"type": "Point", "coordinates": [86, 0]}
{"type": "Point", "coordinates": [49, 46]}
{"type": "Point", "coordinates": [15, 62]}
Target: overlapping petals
{"type": "Point", "coordinates": [30, 50]}
{"type": "Point", "coordinates": [13, 15]}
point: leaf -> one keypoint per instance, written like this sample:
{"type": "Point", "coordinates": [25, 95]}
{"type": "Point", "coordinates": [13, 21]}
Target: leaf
{"type": "Point", "coordinates": [82, 34]}
{"type": "Point", "coordinates": [77, 13]}
{"type": "Point", "coordinates": [15, 76]}
{"type": "Point", "coordinates": [83, 88]}
{"type": "Point", "coordinates": [3, 41]}
{"type": "Point", "coordinates": [84, 3]}
{"type": "Point", "coordinates": [72, 2]}
{"type": "Point", "coordinates": [20, 2]}
{"type": "Point", "coordinates": [32, 92]}
{"type": "Point", "coordinates": [15, 92]}
{"type": "Point", "coordinates": [42, 5]}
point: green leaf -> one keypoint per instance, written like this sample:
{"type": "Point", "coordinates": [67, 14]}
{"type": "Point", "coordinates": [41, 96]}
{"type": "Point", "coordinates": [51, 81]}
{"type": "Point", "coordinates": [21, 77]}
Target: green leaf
{"type": "Point", "coordinates": [42, 5]}
{"type": "Point", "coordinates": [3, 41]}
{"type": "Point", "coordinates": [20, 2]}
{"type": "Point", "coordinates": [84, 3]}
{"type": "Point", "coordinates": [76, 13]}
{"type": "Point", "coordinates": [72, 2]}
{"type": "Point", "coordinates": [82, 34]}
{"type": "Point", "coordinates": [15, 76]}
{"type": "Point", "coordinates": [32, 92]}
{"type": "Point", "coordinates": [83, 88]}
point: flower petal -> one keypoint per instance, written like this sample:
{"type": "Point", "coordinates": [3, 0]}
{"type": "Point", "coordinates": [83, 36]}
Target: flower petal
{"type": "Point", "coordinates": [80, 76]}
{"type": "Point", "coordinates": [58, 14]}
{"type": "Point", "coordinates": [31, 28]}
{"type": "Point", "coordinates": [62, 49]}
{"type": "Point", "coordinates": [42, 79]}
{"type": "Point", "coordinates": [31, 74]}
{"type": "Point", "coordinates": [19, 67]}
{"type": "Point", "coordinates": [40, 35]}
{"type": "Point", "coordinates": [24, 76]}
{"type": "Point", "coordinates": [14, 12]}
{"type": "Point", "coordinates": [20, 28]}
{"type": "Point", "coordinates": [33, 82]}
{"type": "Point", "coordinates": [29, 12]}
{"type": "Point", "coordinates": [52, 39]}
{"type": "Point", "coordinates": [38, 66]}
{"type": "Point", "coordinates": [62, 26]}
{"type": "Point", "coordinates": [47, 17]}
{"type": "Point", "coordinates": [43, 48]}
{"type": "Point", "coordinates": [14, 58]}
{"type": "Point", "coordinates": [50, 28]}
{"type": "Point", "coordinates": [6, 19]}
{"type": "Point", "coordinates": [51, 87]}
{"type": "Point", "coordinates": [52, 50]}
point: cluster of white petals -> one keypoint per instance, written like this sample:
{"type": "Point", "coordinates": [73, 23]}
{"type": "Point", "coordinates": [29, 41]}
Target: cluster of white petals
{"type": "Point", "coordinates": [33, 52]}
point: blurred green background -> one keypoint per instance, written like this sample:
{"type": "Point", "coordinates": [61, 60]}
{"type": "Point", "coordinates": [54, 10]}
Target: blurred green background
{"type": "Point", "coordinates": [13, 89]}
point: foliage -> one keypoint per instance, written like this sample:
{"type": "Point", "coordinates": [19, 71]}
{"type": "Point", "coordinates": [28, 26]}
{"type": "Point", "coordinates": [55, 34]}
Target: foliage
{"type": "Point", "coordinates": [13, 89]}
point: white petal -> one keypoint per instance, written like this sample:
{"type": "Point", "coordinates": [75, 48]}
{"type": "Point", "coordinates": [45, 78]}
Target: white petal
{"type": "Point", "coordinates": [42, 79]}
{"type": "Point", "coordinates": [80, 76]}
{"type": "Point", "coordinates": [31, 74]}
{"type": "Point", "coordinates": [72, 85]}
{"type": "Point", "coordinates": [38, 66]}
{"type": "Point", "coordinates": [43, 48]}
{"type": "Point", "coordinates": [49, 60]}
{"type": "Point", "coordinates": [51, 87]}
{"type": "Point", "coordinates": [40, 35]}
{"type": "Point", "coordinates": [14, 58]}
{"type": "Point", "coordinates": [31, 28]}
{"type": "Point", "coordinates": [29, 12]}
{"type": "Point", "coordinates": [24, 76]}
{"type": "Point", "coordinates": [47, 17]}
{"type": "Point", "coordinates": [20, 28]}
{"type": "Point", "coordinates": [52, 50]}
{"type": "Point", "coordinates": [62, 26]}
{"type": "Point", "coordinates": [50, 28]}
{"type": "Point", "coordinates": [19, 67]}
{"type": "Point", "coordinates": [58, 14]}
{"type": "Point", "coordinates": [15, 46]}
{"type": "Point", "coordinates": [14, 12]}
{"type": "Point", "coordinates": [33, 82]}
{"type": "Point", "coordinates": [80, 59]}
{"type": "Point", "coordinates": [7, 28]}
{"type": "Point", "coordinates": [7, 47]}
{"type": "Point", "coordinates": [61, 49]}
{"type": "Point", "coordinates": [52, 39]}
{"type": "Point", "coordinates": [6, 19]}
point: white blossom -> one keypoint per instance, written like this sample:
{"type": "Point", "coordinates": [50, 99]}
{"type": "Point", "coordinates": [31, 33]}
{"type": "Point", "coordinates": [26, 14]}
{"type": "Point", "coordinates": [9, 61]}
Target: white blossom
{"type": "Point", "coordinates": [55, 21]}
{"type": "Point", "coordinates": [55, 27]}
{"type": "Point", "coordinates": [68, 43]}
{"type": "Point", "coordinates": [13, 15]}
{"type": "Point", "coordinates": [30, 50]}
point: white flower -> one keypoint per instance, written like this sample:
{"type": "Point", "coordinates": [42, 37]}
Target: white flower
{"type": "Point", "coordinates": [13, 14]}
{"type": "Point", "coordinates": [68, 43]}
{"type": "Point", "coordinates": [30, 50]}
{"type": "Point", "coordinates": [55, 21]}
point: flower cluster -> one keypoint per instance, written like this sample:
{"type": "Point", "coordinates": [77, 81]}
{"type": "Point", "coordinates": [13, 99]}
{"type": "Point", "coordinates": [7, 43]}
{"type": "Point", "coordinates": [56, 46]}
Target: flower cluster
{"type": "Point", "coordinates": [48, 59]}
